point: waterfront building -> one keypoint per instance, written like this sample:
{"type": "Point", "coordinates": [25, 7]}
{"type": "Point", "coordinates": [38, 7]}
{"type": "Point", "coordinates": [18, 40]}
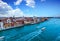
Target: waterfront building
{"type": "Point", "coordinates": [28, 20]}
{"type": "Point", "coordinates": [1, 24]}
{"type": "Point", "coordinates": [15, 24]}
{"type": "Point", "coordinates": [7, 22]}
{"type": "Point", "coordinates": [12, 24]}
{"type": "Point", "coordinates": [38, 20]}
{"type": "Point", "coordinates": [20, 22]}
{"type": "Point", "coordinates": [43, 19]}
{"type": "Point", "coordinates": [7, 25]}
{"type": "Point", "coordinates": [35, 19]}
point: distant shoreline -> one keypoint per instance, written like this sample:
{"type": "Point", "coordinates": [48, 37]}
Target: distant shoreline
{"type": "Point", "coordinates": [21, 25]}
{"type": "Point", "coordinates": [18, 26]}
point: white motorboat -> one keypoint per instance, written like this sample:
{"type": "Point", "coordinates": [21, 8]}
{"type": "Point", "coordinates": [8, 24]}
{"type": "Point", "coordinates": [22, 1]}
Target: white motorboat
{"type": "Point", "coordinates": [43, 28]}
{"type": "Point", "coordinates": [2, 38]}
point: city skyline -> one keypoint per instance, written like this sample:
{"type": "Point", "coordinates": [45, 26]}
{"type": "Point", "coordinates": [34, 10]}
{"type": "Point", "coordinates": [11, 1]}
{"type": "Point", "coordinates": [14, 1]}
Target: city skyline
{"type": "Point", "coordinates": [39, 8]}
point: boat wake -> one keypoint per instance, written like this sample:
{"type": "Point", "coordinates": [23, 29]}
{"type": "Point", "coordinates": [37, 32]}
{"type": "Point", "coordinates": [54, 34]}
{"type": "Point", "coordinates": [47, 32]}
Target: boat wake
{"type": "Point", "coordinates": [32, 35]}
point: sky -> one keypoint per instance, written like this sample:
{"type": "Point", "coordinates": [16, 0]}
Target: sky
{"type": "Point", "coordinates": [29, 8]}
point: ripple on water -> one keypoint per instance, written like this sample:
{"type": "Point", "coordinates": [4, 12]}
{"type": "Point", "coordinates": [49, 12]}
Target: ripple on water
{"type": "Point", "coordinates": [51, 32]}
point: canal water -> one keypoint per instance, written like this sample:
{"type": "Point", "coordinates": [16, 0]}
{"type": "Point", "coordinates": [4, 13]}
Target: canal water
{"type": "Point", "coordinates": [34, 32]}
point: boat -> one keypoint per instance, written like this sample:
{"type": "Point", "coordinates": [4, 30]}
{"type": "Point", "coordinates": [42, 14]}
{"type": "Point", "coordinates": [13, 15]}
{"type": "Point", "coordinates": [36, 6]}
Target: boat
{"type": "Point", "coordinates": [43, 28]}
{"type": "Point", "coordinates": [2, 38]}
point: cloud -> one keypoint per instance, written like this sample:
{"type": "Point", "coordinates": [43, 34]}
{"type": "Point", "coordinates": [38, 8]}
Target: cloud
{"type": "Point", "coordinates": [3, 15]}
{"type": "Point", "coordinates": [42, 0]}
{"type": "Point", "coordinates": [4, 7]}
{"type": "Point", "coordinates": [17, 2]}
{"type": "Point", "coordinates": [30, 3]}
{"type": "Point", "coordinates": [28, 15]}
{"type": "Point", "coordinates": [17, 12]}
{"type": "Point", "coordinates": [7, 11]}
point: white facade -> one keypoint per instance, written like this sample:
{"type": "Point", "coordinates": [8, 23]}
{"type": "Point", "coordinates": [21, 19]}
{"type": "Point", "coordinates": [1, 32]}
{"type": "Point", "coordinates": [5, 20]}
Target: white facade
{"type": "Point", "coordinates": [1, 25]}
{"type": "Point", "coordinates": [8, 21]}
{"type": "Point", "coordinates": [38, 20]}
{"type": "Point", "coordinates": [35, 18]}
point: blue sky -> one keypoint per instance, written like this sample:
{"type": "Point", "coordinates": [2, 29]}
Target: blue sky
{"type": "Point", "coordinates": [45, 8]}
